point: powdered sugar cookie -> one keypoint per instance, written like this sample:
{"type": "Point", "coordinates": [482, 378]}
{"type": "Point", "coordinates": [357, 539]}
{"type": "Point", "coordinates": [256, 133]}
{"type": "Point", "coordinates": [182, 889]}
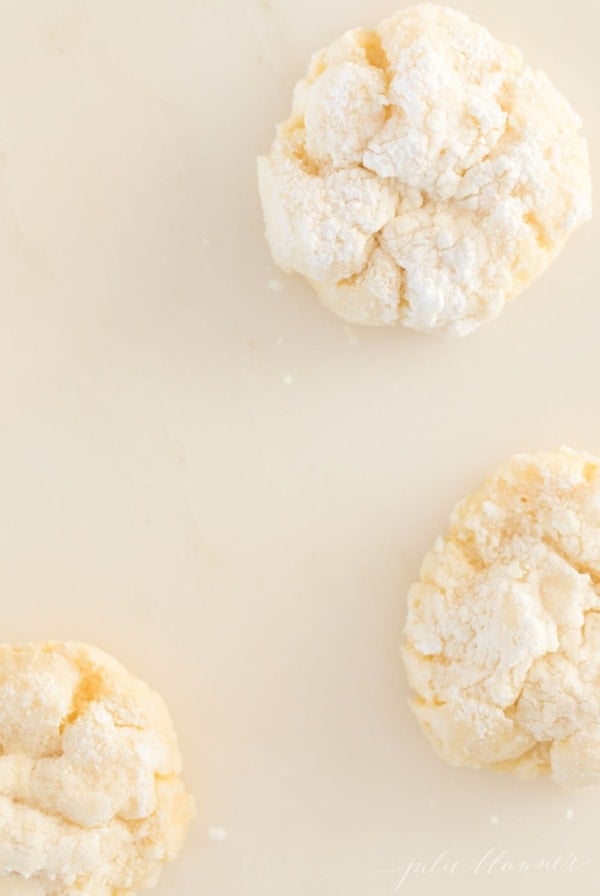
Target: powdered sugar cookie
{"type": "Point", "coordinates": [425, 175]}
{"type": "Point", "coordinates": [503, 630]}
{"type": "Point", "coordinates": [91, 799]}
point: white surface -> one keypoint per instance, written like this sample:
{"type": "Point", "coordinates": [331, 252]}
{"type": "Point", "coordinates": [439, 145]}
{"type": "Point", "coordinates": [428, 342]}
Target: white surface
{"type": "Point", "coordinates": [244, 540]}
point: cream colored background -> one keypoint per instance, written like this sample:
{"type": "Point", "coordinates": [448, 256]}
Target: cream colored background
{"type": "Point", "coordinates": [242, 541]}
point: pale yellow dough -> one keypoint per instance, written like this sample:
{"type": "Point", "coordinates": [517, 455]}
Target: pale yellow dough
{"type": "Point", "coordinates": [503, 631]}
{"type": "Point", "coordinates": [425, 175]}
{"type": "Point", "coordinates": [91, 799]}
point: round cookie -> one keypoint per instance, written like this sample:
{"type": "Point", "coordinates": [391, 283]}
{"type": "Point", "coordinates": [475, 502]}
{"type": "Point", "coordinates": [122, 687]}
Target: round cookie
{"type": "Point", "coordinates": [502, 638]}
{"type": "Point", "coordinates": [425, 175]}
{"type": "Point", "coordinates": [91, 799]}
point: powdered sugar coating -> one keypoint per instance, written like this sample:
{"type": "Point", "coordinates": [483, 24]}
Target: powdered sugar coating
{"type": "Point", "coordinates": [91, 799]}
{"type": "Point", "coordinates": [503, 630]}
{"type": "Point", "coordinates": [425, 176]}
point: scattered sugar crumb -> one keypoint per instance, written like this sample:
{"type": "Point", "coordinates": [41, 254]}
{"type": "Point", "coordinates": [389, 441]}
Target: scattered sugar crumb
{"type": "Point", "coordinates": [288, 379]}
{"type": "Point", "coordinates": [275, 285]}
{"type": "Point", "coordinates": [217, 834]}
{"type": "Point", "coordinates": [569, 814]}
{"type": "Point", "coordinates": [494, 819]}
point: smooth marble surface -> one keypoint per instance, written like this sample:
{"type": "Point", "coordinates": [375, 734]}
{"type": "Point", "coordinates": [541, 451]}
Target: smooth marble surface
{"type": "Point", "coordinates": [211, 477]}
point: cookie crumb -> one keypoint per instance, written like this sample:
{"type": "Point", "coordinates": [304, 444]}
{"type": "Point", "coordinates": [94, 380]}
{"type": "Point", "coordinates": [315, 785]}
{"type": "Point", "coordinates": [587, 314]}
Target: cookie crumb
{"type": "Point", "coordinates": [217, 834]}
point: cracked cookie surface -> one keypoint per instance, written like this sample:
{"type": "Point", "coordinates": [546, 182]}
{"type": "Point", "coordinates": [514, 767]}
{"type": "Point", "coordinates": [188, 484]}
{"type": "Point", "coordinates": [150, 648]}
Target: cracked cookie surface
{"type": "Point", "coordinates": [91, 798]}
{"type": "Point", "coordinates": [425, 175]}
{"type": "Point", "coordinates": [502, 638]}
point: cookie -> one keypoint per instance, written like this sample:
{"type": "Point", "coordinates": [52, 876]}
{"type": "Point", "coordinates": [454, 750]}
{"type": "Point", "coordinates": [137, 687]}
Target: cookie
{"type": "Point", "coordinates": [91, 798]}
{"type": "Point", "coordinates": [425, 175]}
{"type": "Point", "coordinates": [502, 638]}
